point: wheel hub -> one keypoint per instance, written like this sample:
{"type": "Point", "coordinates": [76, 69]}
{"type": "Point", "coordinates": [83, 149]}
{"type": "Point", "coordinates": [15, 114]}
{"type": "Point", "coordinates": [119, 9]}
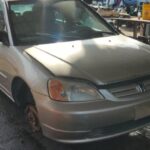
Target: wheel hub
{"type": "Point", "coordinates": [32, 118]}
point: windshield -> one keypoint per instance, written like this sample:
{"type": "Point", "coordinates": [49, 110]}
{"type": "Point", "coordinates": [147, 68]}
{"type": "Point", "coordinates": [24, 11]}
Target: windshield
{"type": "Point", "coordinates": [42, 21]}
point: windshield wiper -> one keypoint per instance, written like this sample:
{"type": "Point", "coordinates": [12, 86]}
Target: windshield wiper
{"type": "Point", "coordinates": [106, 32]}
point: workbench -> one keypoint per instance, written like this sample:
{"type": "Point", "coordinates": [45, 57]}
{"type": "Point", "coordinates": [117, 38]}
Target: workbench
{"type": "Point", "coordinates": [136, 23]}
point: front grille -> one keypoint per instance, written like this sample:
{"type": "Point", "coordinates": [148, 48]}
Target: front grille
{"type": "Point", "coordinates": [132, 90]}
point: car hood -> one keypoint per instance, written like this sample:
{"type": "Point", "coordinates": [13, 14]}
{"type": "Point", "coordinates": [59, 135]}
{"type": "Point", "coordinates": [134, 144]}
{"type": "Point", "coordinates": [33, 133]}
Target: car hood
{"type": "Point", "coordinates": [102, 60]}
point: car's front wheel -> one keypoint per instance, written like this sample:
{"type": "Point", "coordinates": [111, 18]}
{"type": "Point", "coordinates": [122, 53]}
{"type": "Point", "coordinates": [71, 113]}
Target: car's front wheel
{"type": "Point", "coordinates": [32, 117]}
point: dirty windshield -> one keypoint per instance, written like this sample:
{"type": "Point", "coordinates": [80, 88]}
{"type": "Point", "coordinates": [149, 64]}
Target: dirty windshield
{"type": "Point", "coordinates": [40, 22]}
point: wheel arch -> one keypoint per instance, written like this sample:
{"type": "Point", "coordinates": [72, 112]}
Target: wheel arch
{"type": "Point", "coordinates": [21, 92]}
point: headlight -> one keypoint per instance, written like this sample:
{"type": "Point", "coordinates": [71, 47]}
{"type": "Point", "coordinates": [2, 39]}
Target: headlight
{"type": "Point", "coordinates": [64, 90]}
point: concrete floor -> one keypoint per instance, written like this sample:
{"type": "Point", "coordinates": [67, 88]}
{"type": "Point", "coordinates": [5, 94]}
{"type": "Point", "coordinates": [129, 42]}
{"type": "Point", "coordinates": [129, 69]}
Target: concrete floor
{"type": "Point", "coordinates": [16, 135]}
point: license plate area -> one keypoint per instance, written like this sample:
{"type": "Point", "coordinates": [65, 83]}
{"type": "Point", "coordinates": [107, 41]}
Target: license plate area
{"type": "Point", "coordinates": [142, 111]}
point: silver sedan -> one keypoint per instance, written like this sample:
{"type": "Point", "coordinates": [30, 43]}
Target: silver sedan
{"type": "Point", "coordinates": [76, 78]}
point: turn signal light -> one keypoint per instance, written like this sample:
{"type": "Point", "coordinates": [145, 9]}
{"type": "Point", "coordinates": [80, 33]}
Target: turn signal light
{"type": "Point", "coordinates": [56, 89]}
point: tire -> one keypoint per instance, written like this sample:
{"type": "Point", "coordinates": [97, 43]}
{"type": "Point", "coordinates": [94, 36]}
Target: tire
{"type": "Point", "coordinates": [32, 118]}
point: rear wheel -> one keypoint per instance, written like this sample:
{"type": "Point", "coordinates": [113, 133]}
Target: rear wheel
{"type": "Point", "coordinates": [32, 117]}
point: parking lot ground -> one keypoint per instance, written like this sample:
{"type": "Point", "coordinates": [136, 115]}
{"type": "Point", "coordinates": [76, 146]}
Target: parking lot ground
{"type": "Point", "coordinates": [16, 135]}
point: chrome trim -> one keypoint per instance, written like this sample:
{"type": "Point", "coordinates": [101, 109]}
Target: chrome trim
{"type": "Point", "coordinates": [3, 75]}
{"type": "Point", "coordinates": [132, 91]}
{"type": "Point", "coordinates": [140, 88]}
{"type": "Point", "coordinates": [6, 92]}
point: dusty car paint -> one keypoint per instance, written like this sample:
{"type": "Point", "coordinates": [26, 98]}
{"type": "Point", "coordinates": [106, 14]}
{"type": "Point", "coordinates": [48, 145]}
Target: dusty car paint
{"type": "Point", "coordinates": [119, 56]}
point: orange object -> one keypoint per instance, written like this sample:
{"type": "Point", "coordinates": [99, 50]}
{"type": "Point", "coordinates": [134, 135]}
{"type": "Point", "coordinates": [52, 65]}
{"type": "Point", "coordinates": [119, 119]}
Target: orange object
{"type": "Point", "coordinates": [146, 11]}
{"type": "Point", "coordinates": [56, 88]}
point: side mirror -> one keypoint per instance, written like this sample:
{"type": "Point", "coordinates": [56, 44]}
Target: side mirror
{"type": "Point", "coordinates": [4, 38]}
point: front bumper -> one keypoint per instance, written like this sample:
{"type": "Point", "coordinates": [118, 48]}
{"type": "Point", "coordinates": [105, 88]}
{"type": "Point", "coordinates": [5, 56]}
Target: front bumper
{"type": "Point", "coordinates": [91, 121]}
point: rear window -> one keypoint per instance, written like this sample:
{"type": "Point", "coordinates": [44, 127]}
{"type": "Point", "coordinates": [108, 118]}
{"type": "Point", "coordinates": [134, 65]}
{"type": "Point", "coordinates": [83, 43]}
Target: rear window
{"type": "Point", "coordinates": [21, 8]}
